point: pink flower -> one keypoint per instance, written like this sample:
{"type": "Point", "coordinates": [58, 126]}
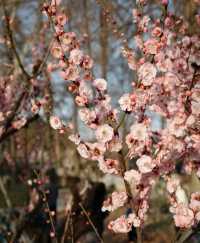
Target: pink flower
{"type": "Point", "coordinates": [195, 201]}
{"type": "Point", "coordinates": [183, 216]}
{"type": "Point", "coordinates": [130, 140]}
{"type": "Point", "coordinates": [55, 2]}
{"type": "Point", "coordinates": [68, 38]}
{"type": "Point", "coordinates": [83, 151]}
{"type": "Point", "coordinates": [133, 176]}
{"type": "Point", "coordinates": [97, 150]}
{"type": "Point", "coordinates": [157, 31]}
{"type": "Point", "coordinates": [104, 133]}
{"type": "Point", "coordinates": [100, 84]}
{"type": "Point", "coordinates": [19, 123]}
{"type": "Point", "coordinates": [116, 200]}
{"type": "Point", "coordinates": [172, 184]}
{"type": "Point", "coordinates": [145, 164]}
{"type": "Point", "coordinates": [86, 115]}
{"type": "Point", "coordinates": [147, 73]}
{"type": "Point", "coordinates": [196, 94]}
{"type": "Point", "coordinates": [55, 122]}
{"type": "Point", "coordinates": [75, 138]}
{"type": "Point", "coordinates": [120, 225]}
{"type": "Point", "coordinates": [165, 2]}
{"type": "Point", "coordinates": [139, 132]}
{"type": "Point", "coordinates": [134, 220]}
{"type": "Point", "coordinates": [178, 130]}
{"type": "Point", "coordinates": [81, 100]}
{"type": "Point", "coordinates": [151, 46]}
{"type": "Point", "coordinates": [110, 166]}
{"type": "Point", "coordinates": [76, 56]}
{"type": "Point", "coordinates": [143, 23]}
{"type": "Point", "coordinates": [127, 102]}
{"type": "Point", "coordinates": [56, 51]}
{"type": "Point", "coordinates": [61, 19]}
{"type": "Point", "coordinates": [115, 145]}
{"type": "Point", "coordinates": [71, 73]}
{"type": "Point", "coordinates": [87, 62]}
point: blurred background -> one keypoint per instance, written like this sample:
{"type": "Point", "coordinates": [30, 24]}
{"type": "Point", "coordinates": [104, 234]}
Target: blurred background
{"type": "Point", "coordinates": [36, 162]}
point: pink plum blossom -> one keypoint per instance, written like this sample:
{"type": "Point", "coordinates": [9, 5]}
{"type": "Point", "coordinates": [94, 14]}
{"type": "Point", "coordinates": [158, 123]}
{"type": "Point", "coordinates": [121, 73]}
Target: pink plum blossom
{"type": "Point", "coordinates": [147, 73]}
{"type": "Point", "coordinates": [139, 131]}
{"type": "Point", "coordinates": [133, 176]}
{"type": "Point", "coordinates": [183, 216]}
{"type": "Point", "coordinates": [56, 51]}
{"type": "Point", "coordinates": [110, 166]}
{"type": "Point", "coordinates": [55, 122]}
{"type": "Point", "coordinates": [127, 102]}
{"type": "Point", "coordinates": [120, 225]}
{"type": "Point", "coordinates": [76, 56]}
{"type": "Point", "coordinates": [104, 133]}
{"type": "Point", "coordinates": [83, 151]}
{"type": "Point", "coordinates": [116, 200]}
{"type": "Point", "coordinates": [195, 202]}
{"type": "Point", "coordinates": [100, 84]}
{"type": "Point", "coordinates": [145, 164]}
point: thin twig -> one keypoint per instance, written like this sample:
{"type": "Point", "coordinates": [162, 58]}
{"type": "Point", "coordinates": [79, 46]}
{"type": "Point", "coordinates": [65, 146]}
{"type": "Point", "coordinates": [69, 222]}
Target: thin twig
{"type": "Point", "coordinates": [91, 223]}
{"type": "Point", "coordinates": [5, 193]}
{"type": "Point", "coordinates": [72, 229]}
{"type": "Point", "coordinates": [66, 226]}
{"type": "Point", "coordinates": [12, 42]}
{"type": "Point", "coordinates": [185, 236]}
{"type": "Point", "coordinates": [48, 210]}
{"type": "Point", "coordinates": [40, 68]}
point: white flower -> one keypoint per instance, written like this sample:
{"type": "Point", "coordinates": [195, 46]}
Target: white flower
{"type": "Point", "coordinates": [126, 103]}
{"type": "Point", "coordinates": [132, 176]}
{"type": "Point", "coordinates": [147, 73]}
{"type": "Point", "coordinates": [145, 164]}
{"type": "Point", "coordinates": [139, 132]}
{"type": "Point", "coordinates": [56, 51]}
{"type": "Point", "coordinates": [116, 200]}
{"type": "Point", "coordinates": [86, 115]}
{"type": "Point", "coordinates": [100, 84]}
{"type": "Point", "coordinates": [115, 145]}
{"type": "Point", "coordinates": [96, 150]}
{"type": "Point", "coordinates": [55, 122]}
{"type": "Point", "coordinates": [133, 219]}
{"type": "Point", "coordinates": [83, 151]}
{"type": "Point", "coordinates": [75, 138]}
{"type": "Point", "coordinates": [110, 166]}
{"type": "Point", "coordinates": [195, 108]}
{"type": "Point", "coordinates": [76, 56]}
{"type": "Point", "coordinates": [104, 133]}
{"type": "Point", "coordinates": [120, 225]}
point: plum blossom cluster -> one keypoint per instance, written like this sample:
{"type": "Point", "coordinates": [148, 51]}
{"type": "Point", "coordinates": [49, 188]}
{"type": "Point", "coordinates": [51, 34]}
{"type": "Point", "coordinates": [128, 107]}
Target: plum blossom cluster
{"type": "Point", "coordinates": [186, 213]}
{"type": "Point", "coordinates": [166, 63]}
